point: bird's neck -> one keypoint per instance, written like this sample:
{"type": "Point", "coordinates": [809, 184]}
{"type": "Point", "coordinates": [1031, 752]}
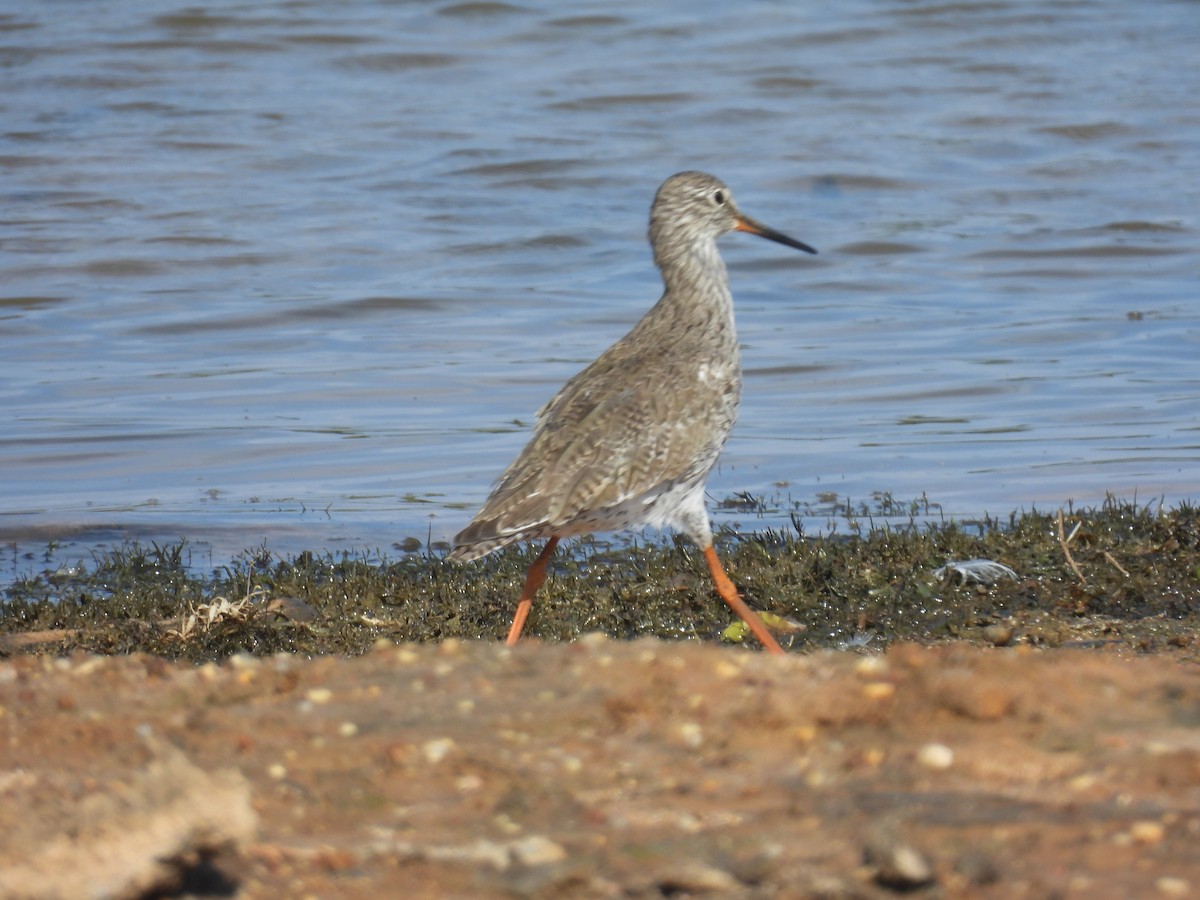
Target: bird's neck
{"type": "Point", "coordinates": [696, 283]}
{"type": "Point", "coordinates": [695, 271]}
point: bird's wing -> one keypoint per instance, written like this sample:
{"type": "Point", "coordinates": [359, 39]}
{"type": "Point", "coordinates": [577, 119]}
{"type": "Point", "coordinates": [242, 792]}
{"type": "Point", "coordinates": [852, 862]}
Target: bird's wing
{"type": "Point", "coordinates": [620, 429]}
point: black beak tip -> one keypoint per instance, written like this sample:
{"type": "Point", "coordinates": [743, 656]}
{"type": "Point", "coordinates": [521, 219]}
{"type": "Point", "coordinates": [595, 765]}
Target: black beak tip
{"type": "Point", "coordinates": [788, 241]}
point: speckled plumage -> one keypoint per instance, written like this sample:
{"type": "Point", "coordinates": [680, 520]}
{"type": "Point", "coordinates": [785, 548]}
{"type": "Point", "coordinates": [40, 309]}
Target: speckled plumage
{"type": "Point", "coordinates": [630, 440]}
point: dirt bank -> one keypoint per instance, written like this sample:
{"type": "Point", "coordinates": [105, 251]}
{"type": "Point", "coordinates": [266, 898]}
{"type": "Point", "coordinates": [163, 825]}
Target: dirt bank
{"type": "Point", "coordinates": [604, 769]}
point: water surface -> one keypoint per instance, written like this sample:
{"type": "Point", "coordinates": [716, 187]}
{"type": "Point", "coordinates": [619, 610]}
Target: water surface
{"type": "Point", "coordinates": [301, 273]}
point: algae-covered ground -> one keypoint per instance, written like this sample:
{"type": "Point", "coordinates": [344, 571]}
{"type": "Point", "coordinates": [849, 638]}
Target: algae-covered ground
{"type": "Point", "coordinates": [1122, 572]}
{"type": "Point", "coordinates": [345, 727]}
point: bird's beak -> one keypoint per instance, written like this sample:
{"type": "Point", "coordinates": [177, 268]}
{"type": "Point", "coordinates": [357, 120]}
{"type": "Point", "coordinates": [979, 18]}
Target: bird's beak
{"type": "Point", "coordinates": [745, 223]}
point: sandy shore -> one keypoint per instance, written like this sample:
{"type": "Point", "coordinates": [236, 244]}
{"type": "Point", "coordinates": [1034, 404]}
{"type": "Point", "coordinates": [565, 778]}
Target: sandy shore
{"type": "Point", "coordinates": [603, 769]}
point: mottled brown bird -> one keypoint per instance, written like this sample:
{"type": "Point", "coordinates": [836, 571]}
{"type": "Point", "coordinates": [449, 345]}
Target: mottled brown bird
{"type": "Point", "coordinates": [630, 440]}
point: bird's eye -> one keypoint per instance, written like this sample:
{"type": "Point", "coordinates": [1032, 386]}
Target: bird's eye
{"type": "Point", "coordinates": [719, 198]}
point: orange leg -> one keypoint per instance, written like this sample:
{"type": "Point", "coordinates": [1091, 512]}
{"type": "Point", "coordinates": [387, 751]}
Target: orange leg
{"type": "Point", "coordinates": [730, 595]}
{"type": "Point", "coordinates": [533, 581]}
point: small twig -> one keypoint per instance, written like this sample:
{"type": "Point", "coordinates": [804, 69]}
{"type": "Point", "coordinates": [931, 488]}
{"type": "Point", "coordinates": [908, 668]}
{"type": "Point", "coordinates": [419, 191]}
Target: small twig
{"type": "Point", "coordinates": [1063, 540]}
{"type": "Point", "coordinates": [1113, 560]}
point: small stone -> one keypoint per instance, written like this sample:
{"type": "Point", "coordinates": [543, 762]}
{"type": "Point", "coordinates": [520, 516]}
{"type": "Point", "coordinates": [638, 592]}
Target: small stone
{"type": "Point", "coordinates": [873, 757]}
{"type": "Point", "coordinates": [1083, 782]}
{"type": "Point", "coordinates": [726, 668]}
{"type": "Point", "coordinates": [437, 750]}
{"type": "Point", "coordinates": [758, 866]}
{"type": "Point", "coordinates": [468, 783]}
{"type": "Point", "coordinates": [871, 667]}
{"type": "Point", "coordinates": [938, 757]}
{"type": "Point", "coordinates": [998, 635]}
{"type": "Point", "coordinates": [504, 823]}
{"type": "Point", "coordinates": [292, 609]}
{"type": "Point", "coordinates": [1147, 832]}
{"type": "Point", "coordinates": [879, 690]}
{"type": "Point", "coordinates": [480, 852]}
{"type": "Point", "coordinates": [1170, 886]}
{"type": "Point", "coordinates": [692, 734]}
{"type": "Point", "coordinates": [536, 850]}
{"type": "Point", "coordinates": [804, 734]}
{"type": "Point", "coordinates": [897, 864]}
{"type": "Point", "coordinates": [347, 729]}
{"type": "Point", "coordinates": [89, 666]}
{"type": "Point", "coordinates": [318, 696]}
{"type": "Point", "coordinates": [696, 878]}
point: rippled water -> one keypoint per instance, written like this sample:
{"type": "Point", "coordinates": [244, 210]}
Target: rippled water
{"type": "Point", "coordinates": [302, 272]}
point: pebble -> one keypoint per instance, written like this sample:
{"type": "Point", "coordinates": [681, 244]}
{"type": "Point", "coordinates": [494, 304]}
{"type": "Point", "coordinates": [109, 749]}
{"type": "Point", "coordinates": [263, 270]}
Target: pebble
{"type": "Point", "coordinates": [468, 783]}
{"type": "Point", "coordinates": [1147, 832]}
{"type": "Point", "coordinates": [879, 690]}
{"type": "Point", "coordinates": [536, 850]}
{"type": "Point", "coordinates": [438, 749]}
{"type": "Point", "coordinates": [727, 669]}
{"type": "Point", "coordinates": [90, 665]}
{"type": "Point", "coordinates": [938, 757]}
{"type": "Point", "coordinates": [1083, 782]}
{"type": "Point", "coordinates": [1170, 886]}
{"type": "Point", "coordinates": [804, 734]}
{"type": "Point", "coordinates": [692, 734]}
{"type": "Point", "coordinates": [871, 667]}
{"type": "Point", "coordinates": [897, 864]}
{"type": "Point", "coordinates": [696, 878]}
{"type": "Point", "coordinates": [998, 635]}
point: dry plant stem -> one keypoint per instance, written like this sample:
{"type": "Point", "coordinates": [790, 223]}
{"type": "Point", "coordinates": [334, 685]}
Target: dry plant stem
{"type": "Point", "coordinates": [1112, 559]}
{"type": "Point", "coordinates": [1062, 540]}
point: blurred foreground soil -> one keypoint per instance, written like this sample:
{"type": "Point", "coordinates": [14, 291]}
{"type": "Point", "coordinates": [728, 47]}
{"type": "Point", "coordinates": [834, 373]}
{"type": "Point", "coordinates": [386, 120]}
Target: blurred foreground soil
{"type": "Point", "coordinates": [604, 768]}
